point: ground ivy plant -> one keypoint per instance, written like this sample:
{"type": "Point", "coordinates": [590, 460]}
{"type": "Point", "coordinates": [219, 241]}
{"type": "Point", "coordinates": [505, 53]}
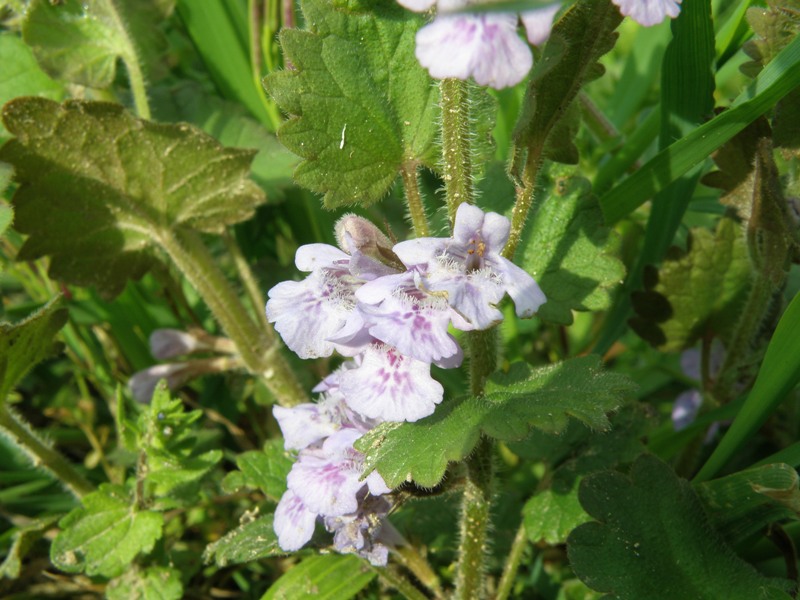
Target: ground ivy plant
{"type": "Point", "coordinates": [400, 298]}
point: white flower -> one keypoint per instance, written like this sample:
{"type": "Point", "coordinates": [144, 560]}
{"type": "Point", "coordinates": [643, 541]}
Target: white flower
{"type": "Point", "coordinates": [649, 12]}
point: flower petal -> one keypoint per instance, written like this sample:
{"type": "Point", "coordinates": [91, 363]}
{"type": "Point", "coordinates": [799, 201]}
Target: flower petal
{"type": "Point", "coordinates": [293, 523]}
{"type": "Point", "coordinates": [649, 12]}
{"type": "Point", "coordinates": [539, 23]}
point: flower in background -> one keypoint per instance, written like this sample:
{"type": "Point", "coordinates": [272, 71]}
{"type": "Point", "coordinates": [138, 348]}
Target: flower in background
{"type": "Point", "coordinates": [649, 12]}
{"type": "Point", "coordinates": [687, 405]}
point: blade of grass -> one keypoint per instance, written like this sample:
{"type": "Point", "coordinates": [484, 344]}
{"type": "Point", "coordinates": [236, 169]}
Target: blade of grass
{"type": "Point", "coordinates": [778, 375]}
{"type": "Point", "coordinates": [778, 78]}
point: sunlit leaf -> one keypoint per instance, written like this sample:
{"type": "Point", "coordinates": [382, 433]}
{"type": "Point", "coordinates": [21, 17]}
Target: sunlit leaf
{"type": "Point", "coordinates": [362, 105]}
{"type": "Point", "coordinates": [252, 540]}
{"type": "Point", "coordinates": [101, 190]}
{"type": "Point", "coordinates": [326, 576]}
{"type": "Point", "coordinates": [514, 402]}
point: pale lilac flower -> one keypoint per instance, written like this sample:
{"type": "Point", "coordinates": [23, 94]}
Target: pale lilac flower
{"type": "Point", "coordinates": [539, 23]}
{"type": "Point", "coordinates": [328, 478]}
{"type": "Point", "coordinates": [293, 522]}
{"type": "Point", "coordinates": [649, 12]}
{"type": "Point", "coordinates": [469, 271]}
{"type": "Point", "coordinates": [687, 405]}
{"type": "Point", "coordinates": [485, 47]}
{"type": "Point", "coordinates": [310, 312]}
{"type": "Point", "coordinates": [390, 386]}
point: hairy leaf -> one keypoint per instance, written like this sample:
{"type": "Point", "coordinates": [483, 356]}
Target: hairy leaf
{"type": "Point", "coordinates": [570, 60]}
{"type": "Point", "coordinates": [252, 540]}
{"type": "Point", "coordinates": [104, 535]}
{"type": "Point", "coordinates": [362, 106]}
{"type": "Point", "coordinates": [746, 502]}
{"type": "Point", "coordinates": [24, 344]}
{"type": "Point", "coordinates": [326, 576]}
{"type": "Point", "coordinates": [514, 402]}
{"type": "Point", "coordinates": [151, 583]}
{"type": "Point", "coordinates": [697, 292]}
{"type": "Point", "coordinates": [80, 41]}
{"type": "Point", "coordinates": [100, 190]}
{"type": "Point", "coordinates": [653, 540]}
{"type": "Point", "coordinates": [569, 251]}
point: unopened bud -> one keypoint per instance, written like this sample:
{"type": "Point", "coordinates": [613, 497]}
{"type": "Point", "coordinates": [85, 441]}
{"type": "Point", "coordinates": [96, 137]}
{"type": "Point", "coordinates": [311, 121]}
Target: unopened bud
{"type": "Point", "coordinates": [168, 343]}
{"type": "Point", "coordinates": [364, 235]}
{"type": "Point", "coordinates": [143, 383]}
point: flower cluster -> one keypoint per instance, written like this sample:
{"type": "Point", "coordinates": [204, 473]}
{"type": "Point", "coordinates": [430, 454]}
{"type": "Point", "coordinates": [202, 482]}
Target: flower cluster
{"type": "Point", "coordinates": [388, 308]}
{"type": "Point", "coordinates": [486, 45]}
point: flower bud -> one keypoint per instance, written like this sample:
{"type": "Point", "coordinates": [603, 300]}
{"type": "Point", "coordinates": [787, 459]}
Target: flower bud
{"type": "Point", "coordinates": [143, 383]}
{"type": "Point", "coordinates": [168, 343]}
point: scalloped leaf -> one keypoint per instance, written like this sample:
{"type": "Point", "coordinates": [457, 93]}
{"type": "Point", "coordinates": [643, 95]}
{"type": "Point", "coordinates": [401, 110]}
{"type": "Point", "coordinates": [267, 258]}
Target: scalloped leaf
{"type": "Point", "coordinates": [362, 104]}
{"type": "Point", "coordinates": [653, 540]}
{"type": "Point", "coordinates": [105, 535]}
{"type": "Point", "coordinates": [514, 402]}
{"type": "Point", "coordinates": [101, 189]}
{"type": "Point", "coordinates": [569, 251]}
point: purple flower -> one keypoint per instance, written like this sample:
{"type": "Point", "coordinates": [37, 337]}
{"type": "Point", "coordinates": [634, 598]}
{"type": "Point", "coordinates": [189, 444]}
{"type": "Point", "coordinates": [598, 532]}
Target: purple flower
{"type": "Point", "coordinates": [390, 386]}
{"type": "Point", "coordinates": [469, 271]}
{"type": "Point", "coordinates": [293, 522]}
{"type": "Point", "coordinates": [649, 12]}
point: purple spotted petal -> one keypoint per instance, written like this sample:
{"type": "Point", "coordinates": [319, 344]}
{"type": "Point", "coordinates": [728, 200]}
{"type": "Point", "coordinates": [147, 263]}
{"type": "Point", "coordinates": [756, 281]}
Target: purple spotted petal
{"type": "Point", "coordinates": [306, 424]}
{"type": "Point", "coordinates": [391, 387]}
{"type": "Point", "coordinates": [293, 523]}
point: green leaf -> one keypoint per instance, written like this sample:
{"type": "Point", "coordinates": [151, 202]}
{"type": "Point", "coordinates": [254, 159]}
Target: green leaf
{"type": "Point", "coordinates": [105, 535]}
{"type": "Point", "coordinates": [744, 503]}
{"type": "Point", "coordinates": [20, 75]}
{"type": "Point", "coordinates": [778, 375]}
{"type": "Point", "coordinates": [326, 577]}
{"type": "Point", "coordinates": [21, 543]}
{"type": "Point", "coordinates": [266, 469]}
{"type": "Point", "coordinates": [696, 293]}
{"type": "Point", "coordinates": [80, 41]}
{"type": "Point", "coordinates": [152, 583]}
{"type": "Point", "coordinates": [24, 344]}
{"type": "Point", "coordinates": [514, 402]}
{"type": "Point", "coordinates": [570, 60]}
{"type": "Point", "coordinates": [100, 190]}
{"type": "Point", "coordinates": [252, 540]}
{"type": "Point", "coordinates": [653, 541]}
{"type": "Point", "coordinates": [6, 212]}
{"type": "Point", "coordinates": [568, 251]}
{"type": "Point", "coordinates": [554, 511]}
{"type": "Point", "coordinates": [168, 439]}
{"type": "Point", "coordinates": [780, 77]}
{"type": "Point", "coordinates": [362, 104]}
{"type": "Point", "coordinates": [228, 122]}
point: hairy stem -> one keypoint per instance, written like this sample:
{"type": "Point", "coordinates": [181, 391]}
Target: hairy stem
{"type": "Point", "coordinates": [131, 60]}
{"type": "Point", "coordinates": [511, 567]}
{"type": "Point", "coordinates": [259, 347]}
{"type": "Point", "coordinates": [42, 454]}
{"type": "Point", "coordinates": [416, 207]}
{"type": "Point", "coordinates": [477, 501]}
{"type": "Point", "coordinates": [522, 206]}
{"type": "Point", "coordinates": [408, 556]}
{"type": "Point", "coordinates": [456, 144]}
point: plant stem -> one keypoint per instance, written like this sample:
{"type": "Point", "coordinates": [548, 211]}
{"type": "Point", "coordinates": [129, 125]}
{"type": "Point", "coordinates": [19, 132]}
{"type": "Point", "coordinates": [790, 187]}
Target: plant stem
{"type": "Point", "coordinates": [408, 556]}
{"type": "Point", "coordinates": [42, 454]}
{"type": "Point", "coordinates": [456, 144]}
{"type": "Point", "coordinates": [131, 60]}
{"type": "Point", "coordinates": [512, 564]}
{"type": "Point", "coordinates": [394, 578]}
{"type": "Point", "coordinates": [258, 347]}
{"type": "Point", "coordinates": [477, 500]}
{"type": "Point", "coordinates": [249, 280]}
{"type": "Point", "coordinates": [522, 206]}
{"type": "Point", "coordinates": [416, 207]}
